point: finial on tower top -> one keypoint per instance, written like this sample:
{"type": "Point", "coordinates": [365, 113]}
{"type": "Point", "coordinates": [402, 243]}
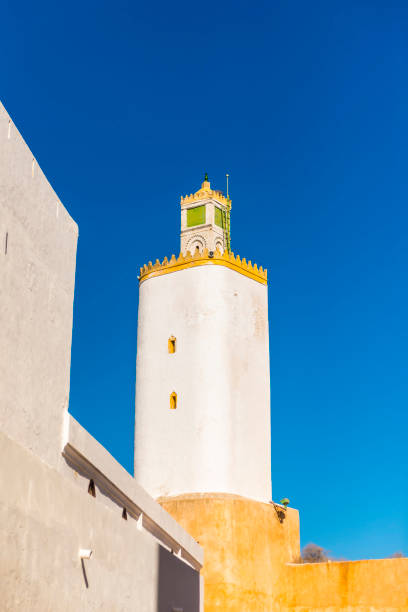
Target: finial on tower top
{"type": "Point", "coordinates": [206, 184]}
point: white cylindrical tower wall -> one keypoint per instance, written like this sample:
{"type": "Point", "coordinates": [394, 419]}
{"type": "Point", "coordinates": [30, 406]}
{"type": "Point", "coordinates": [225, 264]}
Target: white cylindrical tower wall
{"type": "Point", "coordinates": [218, 437]}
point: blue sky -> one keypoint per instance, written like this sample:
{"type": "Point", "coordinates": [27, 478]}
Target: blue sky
{"type": "Point", "coordinates": [126, 104]}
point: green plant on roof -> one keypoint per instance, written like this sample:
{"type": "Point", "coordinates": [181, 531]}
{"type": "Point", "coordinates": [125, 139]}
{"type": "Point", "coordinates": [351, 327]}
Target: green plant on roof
{"type": "Point", "coordinates": [285, 502]}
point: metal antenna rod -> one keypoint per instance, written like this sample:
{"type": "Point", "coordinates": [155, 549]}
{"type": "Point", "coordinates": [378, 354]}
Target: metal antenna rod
{"type": "Point", "coordinates": [227, 175]}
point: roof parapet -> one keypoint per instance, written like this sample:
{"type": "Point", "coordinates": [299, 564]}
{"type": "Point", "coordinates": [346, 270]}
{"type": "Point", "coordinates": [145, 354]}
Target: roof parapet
{"type": "Point", "coordinates": [182, 262]}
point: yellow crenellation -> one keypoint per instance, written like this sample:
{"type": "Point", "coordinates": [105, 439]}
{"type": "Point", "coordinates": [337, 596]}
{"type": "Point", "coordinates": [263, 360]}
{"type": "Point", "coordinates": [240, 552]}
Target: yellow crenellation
{"type": "Point", "coordinates": [206, 192]}
{"type": "Point", "coordinates": [182, 262]}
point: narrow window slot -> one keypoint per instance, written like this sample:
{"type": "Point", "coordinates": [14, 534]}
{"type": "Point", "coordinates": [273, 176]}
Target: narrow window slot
{"type": "Point", "coordinates": [171, 344]}
{"type": "Point", "coordinates": [173, 400]}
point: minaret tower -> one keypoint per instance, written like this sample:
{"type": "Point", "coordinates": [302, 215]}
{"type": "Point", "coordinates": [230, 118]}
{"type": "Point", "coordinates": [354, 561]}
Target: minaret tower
{"type": "Point", "coordinates": [205, 220]}
{"type": "Point", "coordinates": [202, 375]}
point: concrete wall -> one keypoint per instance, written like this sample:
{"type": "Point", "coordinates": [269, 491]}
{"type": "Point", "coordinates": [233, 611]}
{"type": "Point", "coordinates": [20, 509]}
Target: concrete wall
{"type": "Point", "coordinates": [220, 372]}
{"type": "Point", "coordinates": [37, 275]}
{"type": "Point", "coordinates": [45, 519]}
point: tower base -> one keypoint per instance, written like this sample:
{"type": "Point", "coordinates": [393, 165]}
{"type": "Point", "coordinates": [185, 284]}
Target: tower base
{"type": "Point", "coordinates": [251, 554]}
{"type": "Point", "coordinates": [247, 545]}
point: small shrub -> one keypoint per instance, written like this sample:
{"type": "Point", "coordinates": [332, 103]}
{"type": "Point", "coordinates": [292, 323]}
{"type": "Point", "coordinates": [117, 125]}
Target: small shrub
{"type": "Point", "coordinates": [312, 553]}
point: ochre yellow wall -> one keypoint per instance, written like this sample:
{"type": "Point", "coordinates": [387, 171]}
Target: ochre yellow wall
{"type": "Point", "coordinates": [246, 548]}
{"type": "Point", "coordinates": [250, 562]}
{"type": "Point", "coordinates": [375, 585]}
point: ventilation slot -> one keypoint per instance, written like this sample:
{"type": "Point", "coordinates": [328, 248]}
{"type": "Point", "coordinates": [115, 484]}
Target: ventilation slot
{"type": "Point", "coordinates": [91, 488]}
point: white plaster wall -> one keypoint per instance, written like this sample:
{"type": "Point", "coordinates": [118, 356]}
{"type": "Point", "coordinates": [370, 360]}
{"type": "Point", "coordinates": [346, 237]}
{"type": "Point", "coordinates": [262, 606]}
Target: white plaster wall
{"type": "Point", "coordinates": [46, 513]}
{"type": "Point", "coordinates": [45, 519]}
{"type": "Point", "coordinates": [85, 459]}
{"type": "Point", "coordinates": [36, 299]}
{"type": "Point", "coordinates": [218, 438]}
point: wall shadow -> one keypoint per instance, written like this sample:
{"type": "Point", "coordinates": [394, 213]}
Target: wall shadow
{"type": "Point", "coordinates": [178, 585]}
{"type": "Point", "coordinates": [84, 574]}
